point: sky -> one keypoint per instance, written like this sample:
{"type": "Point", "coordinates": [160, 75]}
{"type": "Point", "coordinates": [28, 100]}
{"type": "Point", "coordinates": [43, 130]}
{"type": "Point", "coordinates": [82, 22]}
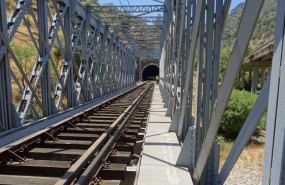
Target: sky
{"type": "Point", "coordinates": [235, 3]}
{"type": "Point", "coordinates": [151, 2]}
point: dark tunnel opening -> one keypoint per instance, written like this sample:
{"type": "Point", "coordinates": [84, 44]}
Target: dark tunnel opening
{"type": "Point", "coordinates": [150, 72]}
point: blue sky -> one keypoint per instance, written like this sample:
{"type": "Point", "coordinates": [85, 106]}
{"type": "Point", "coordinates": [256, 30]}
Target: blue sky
{"type": "Point", "coordinates": [235, 2]}
{"type": "Point", "coordinates": [150, 2]}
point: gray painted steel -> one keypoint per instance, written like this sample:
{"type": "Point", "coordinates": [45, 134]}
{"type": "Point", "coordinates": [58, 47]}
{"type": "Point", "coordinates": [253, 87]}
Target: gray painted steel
{"type": "Point", "coordinates": [97, 63]}
{"type": "Point", "coordinates": [48, 90]}
{"type": "Point", "coordinates": [273, 168]}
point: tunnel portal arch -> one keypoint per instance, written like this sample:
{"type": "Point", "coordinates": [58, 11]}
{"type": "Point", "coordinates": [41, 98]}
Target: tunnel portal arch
{"type": "Point", "coordinates": [150, 70]}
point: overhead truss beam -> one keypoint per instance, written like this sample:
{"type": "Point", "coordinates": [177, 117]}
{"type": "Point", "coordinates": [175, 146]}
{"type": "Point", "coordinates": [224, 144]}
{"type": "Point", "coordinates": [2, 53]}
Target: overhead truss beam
{"type": "Point", "coordinates": [131, 19]}
{"type": "Point", "coordinates": [131, 9]}
{"type": "Point", "coordinates": [137, 27]}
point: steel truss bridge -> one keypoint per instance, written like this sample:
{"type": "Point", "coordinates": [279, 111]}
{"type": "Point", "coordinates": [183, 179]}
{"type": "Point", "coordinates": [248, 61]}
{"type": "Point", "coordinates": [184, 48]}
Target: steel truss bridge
{"type": "Point", "coordinates": [99, 60]}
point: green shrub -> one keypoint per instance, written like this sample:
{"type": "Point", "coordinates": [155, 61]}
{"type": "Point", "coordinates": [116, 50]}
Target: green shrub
{"type": "Point", "coordinates": [237, 110]}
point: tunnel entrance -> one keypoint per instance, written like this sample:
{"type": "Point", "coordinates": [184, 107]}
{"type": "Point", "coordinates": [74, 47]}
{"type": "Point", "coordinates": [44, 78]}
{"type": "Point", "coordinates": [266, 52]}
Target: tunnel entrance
{"type": "Point", "coordinates": [150, 72]}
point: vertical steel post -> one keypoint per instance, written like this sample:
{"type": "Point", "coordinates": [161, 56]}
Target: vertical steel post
{"type": "Point", "coordinates": [181, 13]}
{"type": "Point", "coordinates": [83, 69]}
{"type": "Point", "coordinates": [199, 77]}
{"type": "Point", "coordinates": [70, 85]}
{"type": "Point", "coordinates": [8, 116]}
{"type": "Point", "coordinates": [163, 60]}
{"type": "Point", "coordinates": [123, 67]}
{"type": "Point", "coordinates": [102, 62]}
{"type": "Point", "coordinates": [208, 65]}
{"type": "Point", "coordinates": [95, 60]}
{"type": "Point", "coordinates": [117, 74]}
{"type": "Point", "coordinates": [120, 67]}
{"type": "Point", "coordinates": [190, 62]}
{"type": "Point", "coordinates": [217, 50]}
{"type": "Point", "coordinates": [172, 56]}
{"type": "Point", "coordinates": [128, 69]}
{"type": "Point", "coordinates": [248, 20]}
{"type": "Point", "coordinates": [274, 161]}
{"type": "Point", "coordinates": [114, 63]}
{"type": "Point", "coordinates": [110, 64]}
{"type": "Point", "coordinates": [134, 70]}
{"type": "Point", "coordinates": [47, 101]}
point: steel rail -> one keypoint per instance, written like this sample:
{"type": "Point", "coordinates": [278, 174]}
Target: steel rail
{"type": "Point", "coordinates": [94, 166]}
{"type": "Point", "coordinates": [28, 138]}
{"type": "Point", "coordinates": [78, 166]}
{"type": "Point", "coordinates": [19, 151]}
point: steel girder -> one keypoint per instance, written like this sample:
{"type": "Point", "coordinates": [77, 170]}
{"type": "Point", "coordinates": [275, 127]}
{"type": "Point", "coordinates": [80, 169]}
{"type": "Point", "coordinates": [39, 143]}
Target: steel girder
{"type": "Point", "coordinates": [142, 41]}
{"type": "Point", "coordinates": [198, 25]}
{"type": "Point", "coordinates": [47, 90]}
{"type": "Point", "coordinates": [110, 20]}
{"type": "Point", "coordinates": [131, 9]}
{"type": "Point", "coordinates": [150, 39]}
{"type": "Point", "coordinates": [139, 30]}
{"type": "Point", "coordinates": [128, 32]}
{"type": "Point", "coordinates": [8, 117]}
{"type": "Point", "coordinates": [273, 166]}
{"type": "Point", "coordinates": [141, 34]}
{"type": "Point", "coordinates": [137, 27]}
{"type": "Point", "coordinates": [146, 45]}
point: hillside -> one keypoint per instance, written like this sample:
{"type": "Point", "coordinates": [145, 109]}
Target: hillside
{"type": "Point", "coordinates": [264, 28]}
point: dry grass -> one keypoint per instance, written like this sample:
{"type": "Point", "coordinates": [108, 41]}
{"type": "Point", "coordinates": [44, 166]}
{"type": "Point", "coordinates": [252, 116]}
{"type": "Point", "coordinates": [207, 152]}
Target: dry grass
{"type": "Point", "coordinates": [22, 37]}
{"type": "Point", "coordinates": [252, 154]}
{"type": "Point", "coordinates": [248, 168]}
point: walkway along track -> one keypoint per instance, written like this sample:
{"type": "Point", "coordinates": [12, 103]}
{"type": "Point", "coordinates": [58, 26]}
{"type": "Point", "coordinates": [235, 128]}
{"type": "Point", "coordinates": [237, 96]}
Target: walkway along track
{"type": "Point", "coordinates": [92, 148]}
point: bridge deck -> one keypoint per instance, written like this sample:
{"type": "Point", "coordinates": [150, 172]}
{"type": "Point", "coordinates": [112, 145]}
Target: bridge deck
{"type": "Point", "coordinates": [161, 150]}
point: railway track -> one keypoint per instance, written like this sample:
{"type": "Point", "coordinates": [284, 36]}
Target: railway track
{"type": "Point", "coordinates": [94, 147]}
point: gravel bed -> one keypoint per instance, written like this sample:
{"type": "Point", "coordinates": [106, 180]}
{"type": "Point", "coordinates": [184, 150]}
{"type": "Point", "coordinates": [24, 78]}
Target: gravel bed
{"type": "Point", "coordinates": [245, 174]}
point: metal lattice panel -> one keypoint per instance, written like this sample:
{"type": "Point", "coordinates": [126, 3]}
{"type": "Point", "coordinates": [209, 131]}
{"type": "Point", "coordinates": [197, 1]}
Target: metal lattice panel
{"type": "Point", "coordinates": [111, 20]}
{"type": "Point", "coordinates": [131, 9]}
{"type": "Point", "coordinates": [86, 71]}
